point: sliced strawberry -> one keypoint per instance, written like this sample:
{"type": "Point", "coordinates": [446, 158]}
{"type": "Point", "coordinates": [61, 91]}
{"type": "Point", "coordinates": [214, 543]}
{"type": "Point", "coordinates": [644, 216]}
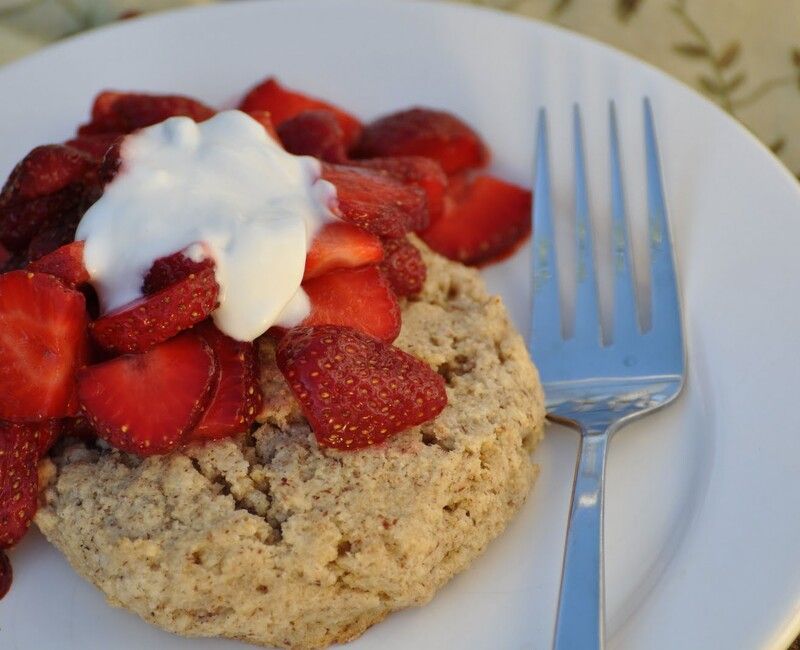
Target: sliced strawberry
{"type": "Point", "coordinates": [46, 192]}
{"type": "Point", "coordinates": [314, 133]}
{"type": "Point", "coordinates": [78, 427]}
{"type": "Point", "coordinates": [341, 245]}
{"type": "Point", "coordinates": [46, 189]}
{"type": "Point", "coordinates": [119, 112]}
{"type": "Point", "coordinates": [375, 202]}
{"type": "Point", "coordinates": [486, 222]}
{"type": "Point", "coordinates": [357, 298]}
{"type": "Point", "coordinates": [145, 403]}
{"type": "Point", "coordinates": [45, 434]}
{"type": "Point", "coordinates": [21, 222]}
{"type": "Point", "coordinates": [265, 119]}
{"type": "Point", "coordinates": [16, 262]}
{"type": "Point", "coordinates": [284, 104]}
{"type": "Point", "coordinates": [52, 237]}
{"type": "Point", "coordinates": [354, 390]}
{"type": "Point", "coordinates": [172, 269]}
{"type": "Point", "coordinates": [424, 132]}
{"type": "Point", "coordinates": [46, 170]}
{"type": "Point", "coordinates": [425, 173]}
{"type": "Point", "coordinates": [66, 263]}
{"type": "Point", "coordinates": [143, 323]}
{"type": "Point", "coordinates": [42, 345]}
{"type": "Point", "coordinates": [110, 165]}
{"type": "Point", "coordinates": [236, 395]}
{"type": "Point", "coordinates": [19, 481]}
{"type": "Point", "coordinates": [403, 267]}
{"type": "Point", "coordinates": [96, 145]}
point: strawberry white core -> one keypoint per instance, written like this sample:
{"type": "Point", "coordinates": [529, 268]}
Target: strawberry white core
{"type": "Point", "coordinates": [222, 189]}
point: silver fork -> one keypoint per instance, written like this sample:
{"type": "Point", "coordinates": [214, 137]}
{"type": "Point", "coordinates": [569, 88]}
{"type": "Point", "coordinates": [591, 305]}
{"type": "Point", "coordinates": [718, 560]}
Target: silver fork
{"type": "Point", "coordinates": [594, 387]}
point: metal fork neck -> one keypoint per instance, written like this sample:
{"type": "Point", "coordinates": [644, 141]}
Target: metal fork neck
{"type": "Point", "coordinates": [581, 608]}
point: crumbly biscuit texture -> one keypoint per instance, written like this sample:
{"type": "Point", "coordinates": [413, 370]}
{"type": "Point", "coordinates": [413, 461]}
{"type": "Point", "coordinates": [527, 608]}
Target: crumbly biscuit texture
{"type": "Point", "coordinates": [271, 540]}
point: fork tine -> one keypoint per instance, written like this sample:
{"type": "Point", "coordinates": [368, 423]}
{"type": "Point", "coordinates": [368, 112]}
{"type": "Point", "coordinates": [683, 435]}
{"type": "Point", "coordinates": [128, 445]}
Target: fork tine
{"type": "Point", "coordinates": [546, 319]}
{"type": "Point", "coordinates": [625, 314]}
{"type": "Point", "coordinates": [587, 312]}
{"type": "Point", "coordinates": [665, 305]}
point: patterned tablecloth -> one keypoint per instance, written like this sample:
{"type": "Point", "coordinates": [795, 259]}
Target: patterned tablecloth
{"type": "Point", "coordinates": [743, 54]}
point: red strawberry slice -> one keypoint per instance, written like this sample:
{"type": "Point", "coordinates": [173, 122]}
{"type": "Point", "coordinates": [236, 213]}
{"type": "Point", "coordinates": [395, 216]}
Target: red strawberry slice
{"type": "Point", "coordinates": [314, 133]}
{"type": "Point", "coordinates": [78, 427]}
{"type": "Point", "coordinates": [145, 403]}
{"type": "Point", "coordinates": [20, 222]}
{"type": "Point", "coordinates": [96, 145]}
{"type": "Point", "coordinates": [16, 262]}
{"type": "Point", "coordinates": [46, 189]}
{"type": "Point", "coordinates": [357, 298]}
{"type": "Point", "coordinates": [172, 269]}
{"type": "Point", "coordinates": [424, 132]}
{"type": "Point", "coordinates": [236, 395]}
{"type": "Point", "coordinates": [108, 168]}
{"type": "Point", "coordinates": [120, 112]}
{"type": "Point", "coordinates": [425, 173]}
{"type": "Point", "coordinates": [42, 345]}
{"type": "Point", "coordinates": [65, 263]}
{"type": "Point", "coordinates": [284, 104]}
{"type": "Point", "coordinates": [19, 454]}
{"type": "Point", "coordinates": [486, 222]}
{"type": "Point", "coordinates": [341, 245]}
{"type": "Point", "coordinates": [143, 323]}
{"type": "Point", "coordinates": [375, 202]}
{"type": "Point", "coordinates": [265, 119]}
{"type": "Point", "coordinates": [52, 237]}
{"type": "Point", "coordinates": [45, 434]}
{"type": "Point", "coordinates": [46, 170]}
{"type": "Point", "coordinates": [354, 390]}
{"type": "Point", "coordinates": [403, 267]}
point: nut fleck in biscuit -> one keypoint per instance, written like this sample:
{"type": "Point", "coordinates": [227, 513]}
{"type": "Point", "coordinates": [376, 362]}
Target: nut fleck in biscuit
{"type": "Point", "coordinates": [268, 539]}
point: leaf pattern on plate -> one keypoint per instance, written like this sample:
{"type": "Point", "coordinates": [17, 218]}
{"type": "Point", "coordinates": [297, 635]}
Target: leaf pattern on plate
{"type": "Point", "coordinates": [626, 8]}
{"type": "Point", "coordinates": [720, 80]}
{"type": "Point", "coordinates": [558, 7]}
{"type": "Point", "coordinates": [724, 79]}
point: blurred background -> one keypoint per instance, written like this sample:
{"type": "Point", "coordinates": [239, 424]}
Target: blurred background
{"type": "Point", "coordinates": [742, 54]}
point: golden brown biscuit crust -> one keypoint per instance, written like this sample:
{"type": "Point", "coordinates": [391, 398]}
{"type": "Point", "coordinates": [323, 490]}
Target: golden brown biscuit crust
{"type": "Point", "coordinates": [270, 540]}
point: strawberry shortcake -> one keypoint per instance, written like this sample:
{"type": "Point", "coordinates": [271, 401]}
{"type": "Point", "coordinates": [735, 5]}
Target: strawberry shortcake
{"type": "Point", "coordinates": [243, 389]}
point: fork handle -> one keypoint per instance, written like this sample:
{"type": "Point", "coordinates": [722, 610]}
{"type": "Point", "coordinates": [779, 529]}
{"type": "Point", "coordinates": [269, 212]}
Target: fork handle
{"type": "Point", "coordinates": [579, 624]}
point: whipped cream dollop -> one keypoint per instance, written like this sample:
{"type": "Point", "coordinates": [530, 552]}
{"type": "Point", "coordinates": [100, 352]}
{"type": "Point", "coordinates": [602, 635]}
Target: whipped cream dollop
{"type": "Point", "coordinates": [223, 189]}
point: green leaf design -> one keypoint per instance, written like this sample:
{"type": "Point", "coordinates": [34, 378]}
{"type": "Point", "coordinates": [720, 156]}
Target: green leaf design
{"type": "Point", "coordinates": [691, 50]}
{"type": "Point", "coordinates": [559, 7]}
{"type": "Point", "coordinates": [729, 55]}
{"type": "Point", "coordinates": [626, 8]}
{"type": "Point", "coordinates": [709, 85]}
{"type": "Point", "coordinates": [11, 7]}
{"type": "Point", "coordinates": [733, 83]}
{"type": "Point", "coordinates": [778, 145]}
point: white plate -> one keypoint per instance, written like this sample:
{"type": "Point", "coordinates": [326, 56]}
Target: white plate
{"type": "Point", "coordinates": [702, 528]}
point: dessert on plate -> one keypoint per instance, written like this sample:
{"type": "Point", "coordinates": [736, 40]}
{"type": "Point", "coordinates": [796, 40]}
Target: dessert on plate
{"type": "Point", "coordinates": [245, 391]}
